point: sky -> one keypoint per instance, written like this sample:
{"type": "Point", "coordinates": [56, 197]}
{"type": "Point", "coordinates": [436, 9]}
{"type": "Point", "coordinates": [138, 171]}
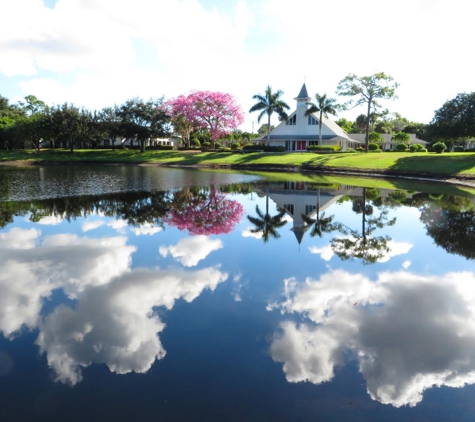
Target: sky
{"type": "Point", "coordinates": [96, 53]}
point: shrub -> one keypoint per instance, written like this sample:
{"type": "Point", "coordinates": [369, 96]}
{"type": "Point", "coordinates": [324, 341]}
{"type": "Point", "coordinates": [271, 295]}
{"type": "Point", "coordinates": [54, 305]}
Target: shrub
{"type": "Point", "coordinates": [416, 147]}
{"type": "Point", "coordinates": [218, 145]}
{"type": "Point", "coordinates": [360, 149]}
{"type": "Point", "coordinates": [401, 147]}
{"type": "Point", "coordinates": [206, 145]}
{"type": "Point", "coordinates": [439, 147]}
{"type": "Point", "coordinates": [323, 148]}
{"type": "Point", "coordinates": [250, 147]}
{"type": "Point", "coordinates": [235, 145]}
{"type": "Point", "coordinates": [373, 147]}
{"type": "Point", "coordinates": [350, 150]}
{"type": "Point", "coordinates": [195, 142]}
{"type": "Point", "coordinates": [458, 149]}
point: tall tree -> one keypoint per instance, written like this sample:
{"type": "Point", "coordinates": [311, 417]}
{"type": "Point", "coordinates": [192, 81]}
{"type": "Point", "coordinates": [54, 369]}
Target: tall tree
{"type": "Point", "coordinates": [110, 122]}
{"type": "Point", "coordinates": [184, 118]}
{"type": "Point", "coordinates": [217, 111]}
{"type": "Point", "coordinates": [324, 106]}
{"type": "Point", "coordinates": [66, 124]}
{"type": "Point", "coordinates": [455, 120]}
{"type": "Point", "coordinates": [367, 90]}
{"type": "Point", "coordinates": [267, 224]}
{"type": "Point", "coordinates": [362, 244]}
{"type": "Point", "coordinates": [269, 103]}
{"type": "Point", "coordinates": [144, 121]}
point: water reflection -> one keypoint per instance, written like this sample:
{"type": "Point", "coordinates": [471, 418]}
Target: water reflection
{"type": "Point", "coordinates": [174, 277]}
{"type": "Point", "coordinates": [112, 320]}
{"type": "Point", "coordinates": [407, 332]}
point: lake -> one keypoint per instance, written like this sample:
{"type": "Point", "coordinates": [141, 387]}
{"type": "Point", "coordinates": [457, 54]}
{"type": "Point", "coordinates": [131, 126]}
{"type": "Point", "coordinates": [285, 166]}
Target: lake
{"type": "Point", "coordinates": [142, 293]}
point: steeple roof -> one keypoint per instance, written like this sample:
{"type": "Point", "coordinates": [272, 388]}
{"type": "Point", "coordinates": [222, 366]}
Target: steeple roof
{"type": "Point", "coordinates": [303, 94]}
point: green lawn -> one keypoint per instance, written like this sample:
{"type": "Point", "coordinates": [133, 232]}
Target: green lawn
{"type": "Point", "coordinates": [448, 164]}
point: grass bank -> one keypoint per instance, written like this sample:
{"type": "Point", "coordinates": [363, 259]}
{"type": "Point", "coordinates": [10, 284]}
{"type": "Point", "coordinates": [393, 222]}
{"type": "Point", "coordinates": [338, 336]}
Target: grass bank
{"type": "Point", "coordinates": [447, 165]}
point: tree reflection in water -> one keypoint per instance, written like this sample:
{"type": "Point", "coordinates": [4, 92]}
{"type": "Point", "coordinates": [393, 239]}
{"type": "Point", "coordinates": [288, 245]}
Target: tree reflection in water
{"type": "Point", "coordinates": [362, 244]}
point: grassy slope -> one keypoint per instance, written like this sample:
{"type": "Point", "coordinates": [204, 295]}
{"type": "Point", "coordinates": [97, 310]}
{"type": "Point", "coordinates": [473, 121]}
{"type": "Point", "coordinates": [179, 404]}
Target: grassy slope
{"type": "Point", "coordinates": [448, 164]}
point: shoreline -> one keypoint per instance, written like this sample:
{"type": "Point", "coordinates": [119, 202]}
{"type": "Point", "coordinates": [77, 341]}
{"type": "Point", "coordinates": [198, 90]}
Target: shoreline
{"type": "Point", "coordinates": [461, 180]}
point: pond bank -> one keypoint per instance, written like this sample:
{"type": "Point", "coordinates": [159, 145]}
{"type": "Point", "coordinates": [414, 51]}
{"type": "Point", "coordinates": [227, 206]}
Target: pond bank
{"type": "Point", "coordinates": [467, 180]}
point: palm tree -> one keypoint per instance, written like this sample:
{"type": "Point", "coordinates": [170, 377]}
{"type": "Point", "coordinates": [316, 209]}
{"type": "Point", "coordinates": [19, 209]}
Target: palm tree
{"type": "Point", "coordinates": [321, 224]}
{"type": "Point", "coordinates": [269, 103]}
{"type": "Point", "coordinates": [267, 224]}
{"type": "Point", "coordinates": [324, 106]}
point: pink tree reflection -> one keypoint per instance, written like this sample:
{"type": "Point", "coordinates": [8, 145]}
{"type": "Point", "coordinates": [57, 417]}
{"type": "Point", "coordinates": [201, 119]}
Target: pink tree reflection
{"type": "Point", "coordinates": [204, 212]}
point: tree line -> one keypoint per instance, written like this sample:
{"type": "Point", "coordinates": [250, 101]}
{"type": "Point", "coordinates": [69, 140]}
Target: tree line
{"type": "Point", "coordinates": [198, 118]}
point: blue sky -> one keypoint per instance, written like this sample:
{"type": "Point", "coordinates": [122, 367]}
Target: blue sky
{"type": "Point", "coordinates": [95, 53]}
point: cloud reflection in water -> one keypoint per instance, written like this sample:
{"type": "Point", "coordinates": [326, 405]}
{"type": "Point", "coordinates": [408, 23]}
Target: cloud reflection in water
{"type": "Point", "coordinates": [407, 332]}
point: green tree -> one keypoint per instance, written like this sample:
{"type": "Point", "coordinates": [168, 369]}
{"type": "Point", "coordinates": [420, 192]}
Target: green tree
{"type": "Point", "coordinates": [264, 129]}
{"type": "Point", "coordinates": [401, 137]}
{"type": "Point", "coordinates": [455, 120]}
{"type": "Point", "coordinates": [324, 106]}
{"type": "Point", "coordinates": [362, 244]}
{"type": "Point", "coordinates": [111, 125]}
{"type": "Point", "coordinates": [376, 137]}
{"type": "Point", "coordinates": [66, 125]}
{"type": "Point", "coordinates": [269, 103]}
{"type": "Point", "coordinates": [367, 90]}
{"type": "Point", "coordinates": [144, 121]}
{"type": "Point", "coordinates": [346, 125]}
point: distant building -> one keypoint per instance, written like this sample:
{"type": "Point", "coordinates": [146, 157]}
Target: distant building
{"type": "Point", "coordinates": [387, 144]}
{"type": "Point", "coordinates": [300, 131]}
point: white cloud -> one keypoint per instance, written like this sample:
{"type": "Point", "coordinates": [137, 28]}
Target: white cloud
{"type": "Point", "coordinates": [124, 52]}
{"type": "Point", "coordinates": [92, 225]}
{"type": "Point", "coordinates": [406, 264]}
{"type": "Point", "coordinates": [18, 238]}
{"type": "Point", "coordinates": [61, 261]}
{"type": "Point", "coordinates": [115, 324]}
{"type": "Point", "coordinates": [326, 252]}
{"type": "Point", "coordinates": [118, 225]}
{"type": "Point", "coordinates": [147, 229]}
{"type": "Point", "coordinates": [248, 233]}
{"type": "Point", "coordinates": [50, 220]}
{"type": "Point", "coordinates": [408, 332]}
{"type": "Point", "coordinates": [191, 250]}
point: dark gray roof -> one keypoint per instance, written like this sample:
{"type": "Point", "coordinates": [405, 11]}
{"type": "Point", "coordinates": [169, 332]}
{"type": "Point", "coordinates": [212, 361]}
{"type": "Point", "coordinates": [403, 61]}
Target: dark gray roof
{"type": "Point", "coordinates": [295, 137]}
{"type": "Point", "coordinates": [303, 93]}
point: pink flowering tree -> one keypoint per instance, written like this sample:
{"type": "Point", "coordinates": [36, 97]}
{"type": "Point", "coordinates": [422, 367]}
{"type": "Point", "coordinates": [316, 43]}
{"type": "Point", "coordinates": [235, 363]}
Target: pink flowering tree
{"type": "Point", "coordinates": [204, 212]}
{"type": "Point", "coordinates": [217, 111]}
{"type": "Point", "coordinates": [184, 117]}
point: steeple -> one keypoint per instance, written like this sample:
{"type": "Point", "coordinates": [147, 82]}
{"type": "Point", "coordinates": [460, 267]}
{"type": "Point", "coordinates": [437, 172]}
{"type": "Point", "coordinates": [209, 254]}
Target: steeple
{"type": "Point", "coordinates": [303, 96]}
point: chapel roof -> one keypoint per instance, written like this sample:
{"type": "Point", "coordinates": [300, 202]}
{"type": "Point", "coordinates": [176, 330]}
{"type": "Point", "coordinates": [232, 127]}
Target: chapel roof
{"type": "Point", "coordinates": [303, 94]}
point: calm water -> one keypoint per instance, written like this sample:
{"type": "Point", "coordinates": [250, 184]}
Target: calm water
{"type": "Point", "coordinates": [145, 294]}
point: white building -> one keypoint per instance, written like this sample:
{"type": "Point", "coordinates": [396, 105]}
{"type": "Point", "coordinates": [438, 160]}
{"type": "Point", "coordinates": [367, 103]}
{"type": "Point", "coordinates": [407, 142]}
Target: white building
{"type": "Point", "coordinates": [300, 131]}
{"type": "Point", "coordinates": [387, 144]}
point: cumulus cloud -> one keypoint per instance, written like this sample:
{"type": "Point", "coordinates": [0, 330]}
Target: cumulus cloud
{"type": "Point", "coordinates": [190, 251]}
{"type": "Point", "coordinates": [247, 233]}
{"type": "Point", "coordinates": [326, 252]}
{"type": "Point", "coordinates": [50, 220]}
{"type": "Point", "coordinates": [33, 269]}
{"type": "Point", "coordinates": [407, 332]}
{"type": "Point", "coordinates": [147, 229]}
{"type": "Point", "coordinates": [115, 324]}
{"type": "Point", "coordinates": [118, 225]}
{"type": "Point", "coordinates": [18, 238]}
{"type": "Point", "coordinates": [92, 225]}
